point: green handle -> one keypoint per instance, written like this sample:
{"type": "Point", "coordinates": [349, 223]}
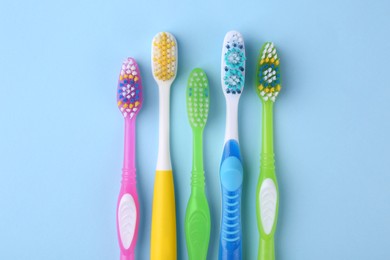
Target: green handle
{"type": "Point", "coordinates": [266, 249]}
{"type": "Point", "coordinates": [267, 199]}
{"type": "Point", "coordinates": [197, 221]}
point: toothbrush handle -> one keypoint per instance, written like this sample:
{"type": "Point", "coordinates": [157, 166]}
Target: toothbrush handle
{"type": "Point", "coordinates": [128, 215]}
{"type": "Point", "coordinates": [163, 238]}
{"type": "Point", "coordinates": [267, 249]}
{"type": "Point", "coordinates": [230, 247]}
{"type": "Point", "coordinates": [267, 207]}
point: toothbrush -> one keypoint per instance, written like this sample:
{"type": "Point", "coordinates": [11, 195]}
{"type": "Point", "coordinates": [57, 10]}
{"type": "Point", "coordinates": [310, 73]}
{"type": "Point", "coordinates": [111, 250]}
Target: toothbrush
{"type": "Point", "coordinates": [129, 98]}
{"type": "Point", "coordinates": [163, 237]}
{"type": "Point", "coordinates": [197, 221]}
{"type": "Point", "coordinates": [231, 170]}
{"type": "Point", "coordinates": [267, 198]}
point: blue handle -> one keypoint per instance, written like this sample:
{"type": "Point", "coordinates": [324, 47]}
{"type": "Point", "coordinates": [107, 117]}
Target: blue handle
{"type": "Point", "coordinates": [231, 174]}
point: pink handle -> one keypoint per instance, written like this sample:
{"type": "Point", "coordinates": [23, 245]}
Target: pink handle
{"type": "Point", "coordinates": [128, 204]}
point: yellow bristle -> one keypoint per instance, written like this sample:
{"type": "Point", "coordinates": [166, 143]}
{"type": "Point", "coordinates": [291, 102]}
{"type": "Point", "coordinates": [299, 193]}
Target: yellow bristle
{"type": "Point", "coordinates": [272, 60]}
{"type": "Point", "coordinates": [278, 87]}
{"type": "Point", "coordinates": [163, 57]}
{"type": "Point", "coordinates": [136, 103]}
{"type": "Point", "coordinates": [260, 87]}
{"type": "Point", "coordinates": [125, 76]}
{"type": "Point", "coordinates": [266, 60]}
{"type": "Point", "coordinates": [131, 76]}
{"type": "Point", "coordinates": [119, 103]}
{"type": "Point", "coordinates": [120, 78]}
{"type": "Point", "coordinates": [131, 106]}
{"type": "Point", "coordinates": [266, 90]}
{"type": "Point", "coordinates": [277, 62]}
{"type": "Point", "coordinates": [272, 90]}
{"type": "Point", "coordinates": [125, 105]}
{"type": "Point", "coordinates": [135, 78]}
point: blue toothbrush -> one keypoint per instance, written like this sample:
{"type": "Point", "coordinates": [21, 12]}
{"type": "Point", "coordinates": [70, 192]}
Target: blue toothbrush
{"type": "Point", "coordinates": [231, 170]}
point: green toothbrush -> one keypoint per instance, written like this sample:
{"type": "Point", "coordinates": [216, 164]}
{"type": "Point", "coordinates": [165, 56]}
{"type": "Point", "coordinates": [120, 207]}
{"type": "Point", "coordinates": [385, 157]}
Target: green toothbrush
{"type": "Point", "coordinates": [267, 197]}
{"type": "Point", "coordinates": [197, 222]}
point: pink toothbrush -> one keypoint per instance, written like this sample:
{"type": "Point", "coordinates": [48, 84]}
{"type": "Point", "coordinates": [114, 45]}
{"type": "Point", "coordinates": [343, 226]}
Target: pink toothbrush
{"type": "Point", "coordinates": [129, 97]}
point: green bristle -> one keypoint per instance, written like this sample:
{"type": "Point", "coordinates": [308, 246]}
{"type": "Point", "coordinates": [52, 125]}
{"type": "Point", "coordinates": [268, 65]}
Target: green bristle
{"type": "Point", "coordinates": [197, 98]}
{"type": "Point", "coordinates": [268, 73]}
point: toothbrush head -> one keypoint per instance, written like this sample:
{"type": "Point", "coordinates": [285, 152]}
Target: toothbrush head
{"type": "Point", "coordinates": [233, 64]}
{"type": "Point", "coordinates": [164, 57]}
{"type": "Point", "coordinates": [129, 94]}
{"type": "Point", "coordinates": [268, 73]}
{"type": "Point", "coordinates": [197, 98]}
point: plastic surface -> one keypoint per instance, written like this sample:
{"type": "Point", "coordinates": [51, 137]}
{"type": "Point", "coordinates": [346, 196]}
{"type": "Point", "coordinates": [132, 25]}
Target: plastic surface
{"type": "Point", "coordinates": [197, 224]}
{"type": "Point", "coordinates": [163, 238]}
{"type": "Point", "coordinates": [164, 153]}
{"type": "Point", "coordinates": [267, 199]}
{"type": "Point", "coordinates": [232, 79]}
{"type": "Point", "coordinates": [128, 205]}
{"type": "Point", "coordinates": [197, 220]}
{"type": "Point", "coordinates": [163, 229]}
{"type": "Point", "coordinates": [231, 174]}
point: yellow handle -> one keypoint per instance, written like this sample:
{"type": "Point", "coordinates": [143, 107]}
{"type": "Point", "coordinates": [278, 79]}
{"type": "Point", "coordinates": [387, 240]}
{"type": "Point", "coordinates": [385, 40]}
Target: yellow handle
{"type": "Point", "coordinates": [163, 240]}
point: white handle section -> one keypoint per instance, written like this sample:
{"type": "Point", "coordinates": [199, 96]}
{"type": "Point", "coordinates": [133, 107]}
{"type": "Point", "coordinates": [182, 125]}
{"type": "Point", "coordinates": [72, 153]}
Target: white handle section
{"type": "Point", "coordinates": [164, 155]}
{"type": "Point", "coordinates": [231, 118]}
{"type": "Point", "coordinates": [127, 217]}
{"type": "Point", "coordinates": [268, 199]}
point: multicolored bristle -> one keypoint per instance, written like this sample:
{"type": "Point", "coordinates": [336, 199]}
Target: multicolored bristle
{"type": "Point", "coordinates": [198, 98]}
{"type": "Point", "coordinates": [164, 56]}
{"type": "Point", "coordinates": [129, 95]}
{"type": "Point", "coordinates": [233, 63]}
{"type": "Point", "coordinates": [268, 73]}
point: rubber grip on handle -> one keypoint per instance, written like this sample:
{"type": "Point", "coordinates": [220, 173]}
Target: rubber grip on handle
{"type": "Point", "coordinates": [197, 226]}
{"type": "Point", "coordinates": [128, 215]}
{"type": "Point", "coordinates": [163, 238]}
{"type": "Point", "coordinates": [267, 215]}
{"type": "Point", "coordinates": [230, 247]}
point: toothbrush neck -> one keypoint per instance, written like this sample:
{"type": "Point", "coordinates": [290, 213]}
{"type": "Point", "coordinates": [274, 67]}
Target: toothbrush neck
{"type": "Point", "coordinates": [129, 151]}
{"type": "Point", "coordinates": [267, 128]}
{"type": "Point", "coordinates": [164, 157]}
{"type": "Point", "coordinates": [231, 131]}
{"type": "Point", "coordinates": [197, 154]}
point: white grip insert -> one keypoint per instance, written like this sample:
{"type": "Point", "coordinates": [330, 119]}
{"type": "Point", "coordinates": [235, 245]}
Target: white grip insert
{"type": "Point", "coordinates": [127, 217]}
{"type": "Point", "coordinates": [268, 198]}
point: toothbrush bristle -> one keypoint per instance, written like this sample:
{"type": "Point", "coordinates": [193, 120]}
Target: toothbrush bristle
{"type": "Point", "coordinates": [164, 56]}
{"type": "Point", "coordinates": [129, 94]}
{"type": "Point", "coordinates": [233, 63]}
{"type": "Point", "coordinates": [197, 98]}
{"type": "Point", "coordinates": [268, 73]}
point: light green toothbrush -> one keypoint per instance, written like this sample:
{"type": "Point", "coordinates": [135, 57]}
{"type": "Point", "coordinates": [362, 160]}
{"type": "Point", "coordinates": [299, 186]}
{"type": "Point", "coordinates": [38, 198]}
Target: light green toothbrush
{"type": "Point", "coordinates": [267, 200]}
{"type": "Point", "coordinates": [197, 222]}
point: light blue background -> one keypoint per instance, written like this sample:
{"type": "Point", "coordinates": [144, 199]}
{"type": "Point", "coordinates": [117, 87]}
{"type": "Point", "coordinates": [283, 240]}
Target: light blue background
{"type": "Point", "coordinates": [61, 133]}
